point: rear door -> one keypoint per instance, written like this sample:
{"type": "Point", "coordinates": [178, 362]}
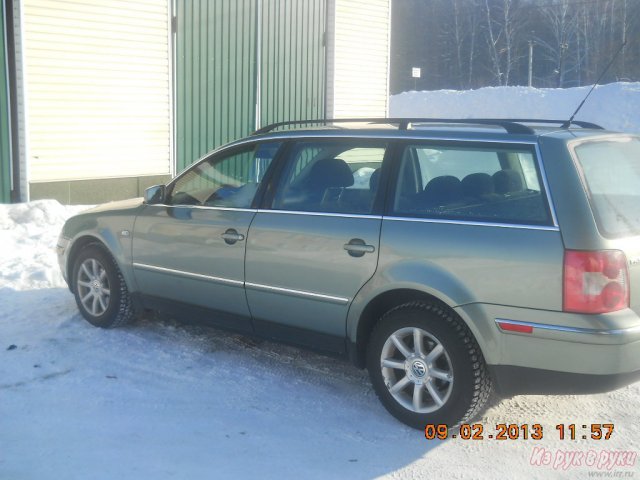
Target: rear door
{"type": "Point", "coordinates": [316, 242]}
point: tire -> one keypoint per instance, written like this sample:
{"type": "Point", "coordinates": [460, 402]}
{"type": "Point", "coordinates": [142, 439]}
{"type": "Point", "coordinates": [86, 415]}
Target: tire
{"type": "Point", "coordinates": [100, 290]}
{"type": "Point", "coordinates": [445, 381]}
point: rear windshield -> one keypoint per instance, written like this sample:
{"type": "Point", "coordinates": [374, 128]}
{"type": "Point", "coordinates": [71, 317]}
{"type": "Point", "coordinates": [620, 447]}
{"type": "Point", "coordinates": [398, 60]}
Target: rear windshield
{"type": "Point", "coordinates": [611, 170]}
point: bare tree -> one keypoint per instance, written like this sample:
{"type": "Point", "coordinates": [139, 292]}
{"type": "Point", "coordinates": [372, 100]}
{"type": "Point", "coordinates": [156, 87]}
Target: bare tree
{"type": "Point", "coordinates": [473, 43]}
{"type": "Point", "coordinates": [504, 28]}
{"type": "Point", "coordinates": [458, 31]}
{"type": "Point", "coordinates": [560, 44]}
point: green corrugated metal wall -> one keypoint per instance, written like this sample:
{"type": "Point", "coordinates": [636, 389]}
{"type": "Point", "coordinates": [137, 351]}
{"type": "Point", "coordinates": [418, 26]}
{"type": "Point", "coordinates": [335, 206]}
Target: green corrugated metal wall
{"type": "Point", "coordinates": [293, 60]}
{"type": "Point", "coordinates": [5, 130]}
{"type": "Point", "coordinates": [215, 74]}
{"type": "Point", "coordinates": [217, 49]}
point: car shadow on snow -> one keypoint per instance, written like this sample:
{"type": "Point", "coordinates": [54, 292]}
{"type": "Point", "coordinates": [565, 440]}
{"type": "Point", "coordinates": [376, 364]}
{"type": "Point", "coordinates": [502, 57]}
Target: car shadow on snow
{"type": "Point", "coordinates": [184, 398]}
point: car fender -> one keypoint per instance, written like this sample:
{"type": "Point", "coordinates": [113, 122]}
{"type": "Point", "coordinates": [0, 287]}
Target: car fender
{"type": "Point", "coordinates": [421, 276]}
{"type": "Point", "coordinates": [115, 232]}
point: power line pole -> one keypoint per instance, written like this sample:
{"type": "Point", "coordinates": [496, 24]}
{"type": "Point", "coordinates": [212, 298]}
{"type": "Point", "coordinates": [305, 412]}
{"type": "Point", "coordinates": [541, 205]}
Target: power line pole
{"type": "Point", "coordinates": [530, 63]}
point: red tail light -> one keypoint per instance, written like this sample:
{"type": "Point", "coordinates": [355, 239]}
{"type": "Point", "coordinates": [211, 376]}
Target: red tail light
{"type": "Point", "coordinates": [595, 282]}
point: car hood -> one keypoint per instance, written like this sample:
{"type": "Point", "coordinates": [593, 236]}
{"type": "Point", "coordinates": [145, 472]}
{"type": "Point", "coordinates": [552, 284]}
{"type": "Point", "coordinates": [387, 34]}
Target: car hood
{"type": "Point", "coordinates": [129, 204]}
{"type": "Point", "coordinates": [108, 216]}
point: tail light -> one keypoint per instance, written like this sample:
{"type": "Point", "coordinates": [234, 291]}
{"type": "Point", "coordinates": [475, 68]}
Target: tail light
{"type": "Point", "coordinates": [595, 281]}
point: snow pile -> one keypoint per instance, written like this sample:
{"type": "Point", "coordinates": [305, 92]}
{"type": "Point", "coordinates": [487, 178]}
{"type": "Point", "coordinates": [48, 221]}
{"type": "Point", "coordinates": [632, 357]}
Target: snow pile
{"type": "Point", "coordinates": [28, 236]}
{"type": "Point", "coordinates": [615, 106]}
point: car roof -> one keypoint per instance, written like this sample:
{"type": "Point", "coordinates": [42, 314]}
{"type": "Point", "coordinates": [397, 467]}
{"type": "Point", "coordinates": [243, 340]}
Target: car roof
{"type": "Point", "coordinates": [500, 128]}
{"type": "Point", "coordinates": [481, 130]}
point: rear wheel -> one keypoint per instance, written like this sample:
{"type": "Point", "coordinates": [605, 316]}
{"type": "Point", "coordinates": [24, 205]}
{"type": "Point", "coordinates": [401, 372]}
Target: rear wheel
{"type": "Point", "coordinates": [426, 367]}
{"type": "Point", "coordinates": [100, 291]}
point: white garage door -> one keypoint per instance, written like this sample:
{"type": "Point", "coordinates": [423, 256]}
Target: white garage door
{"type": "Point", "coordinates": [358, 63]}
{"type": "Point", "coordinates": [98, 88]}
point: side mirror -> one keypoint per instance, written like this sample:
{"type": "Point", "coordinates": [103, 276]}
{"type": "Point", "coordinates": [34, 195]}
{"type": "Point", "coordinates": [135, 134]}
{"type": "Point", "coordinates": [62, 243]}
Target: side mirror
{"type": "Point", "coordinates": [154, 195]}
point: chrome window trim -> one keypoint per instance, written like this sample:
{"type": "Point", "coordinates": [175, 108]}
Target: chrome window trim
{"type": "Point", "coordinates": [298, 293]}
{"type": "Point", "coordinates": [561, 328]}
{"type": "Point", "coordinates": [417, 219]}
{"type": "Point", "coordinates": [196, 276]}
{"type": "Point", "coordinates": [320, 214]}
{"type": "Point", "coordinates": [204, 207]}
{"type": "Point", "coordinates": [548, 228]}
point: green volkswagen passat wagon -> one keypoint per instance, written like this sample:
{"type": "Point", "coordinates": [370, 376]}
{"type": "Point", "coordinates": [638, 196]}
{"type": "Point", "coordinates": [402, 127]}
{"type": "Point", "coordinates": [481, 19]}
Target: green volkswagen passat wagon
{"type": "Point", "coordinates": [450, 258]}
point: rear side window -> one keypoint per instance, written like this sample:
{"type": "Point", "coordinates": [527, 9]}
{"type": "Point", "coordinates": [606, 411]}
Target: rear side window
{"type": "Point", "coordinates": [611, 172]}
{"type": "Point", "coordinates": [476, 183]}
{"type": "Point", "coordinates": [331, 177]}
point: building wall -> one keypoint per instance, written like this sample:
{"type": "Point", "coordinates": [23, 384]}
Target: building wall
{"type": "Point", "coordinates": [5, 114]}
{"type": "Point", "coordinates": [97, 76]}
{"type": "Point", "coordinates": [358, 58]}
{"type": "Point", "coordinates": [20, 122]}
{"type": "Point", "coordinates": [215, 74]}
{"type": "Point", "coordinates": [243, 64]}
{"type": "Point", "coordinates": [292, 77]}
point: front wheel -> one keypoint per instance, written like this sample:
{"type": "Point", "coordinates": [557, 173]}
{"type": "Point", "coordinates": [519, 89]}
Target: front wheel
{"type": "Point", "coordinates": [426, 366]}
{"type": "Point", "coordinates": [100, 290]}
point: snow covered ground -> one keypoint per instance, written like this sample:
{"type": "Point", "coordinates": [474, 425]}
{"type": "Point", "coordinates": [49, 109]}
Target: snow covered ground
{"type": "Point", "coordinates": [615, 106]}
{"type": "Point", "coordinates": [160, 400]}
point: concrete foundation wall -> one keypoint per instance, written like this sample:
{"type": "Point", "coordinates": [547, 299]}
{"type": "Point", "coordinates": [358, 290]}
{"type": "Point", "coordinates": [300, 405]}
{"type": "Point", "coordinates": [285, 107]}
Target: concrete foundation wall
{"type": "Point", "coordinates": [90, 192]}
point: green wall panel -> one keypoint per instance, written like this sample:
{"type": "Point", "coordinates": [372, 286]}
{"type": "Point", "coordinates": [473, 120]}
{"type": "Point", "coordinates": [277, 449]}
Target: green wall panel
{"type": "Point", "coordinates": [219, 44]}
{"type": "Point", "coordinates": [293, 60]}
{"type": "Point", "coordinates": [215, 74]}
{"type": "Point", "coordinates": [5, 129]}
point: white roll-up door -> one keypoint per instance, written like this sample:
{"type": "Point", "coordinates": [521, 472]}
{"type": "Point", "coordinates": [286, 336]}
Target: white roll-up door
{"type": "Point", "coordinates": [358, 60]}
{"type": "Point", "coordinates": [97, 74]}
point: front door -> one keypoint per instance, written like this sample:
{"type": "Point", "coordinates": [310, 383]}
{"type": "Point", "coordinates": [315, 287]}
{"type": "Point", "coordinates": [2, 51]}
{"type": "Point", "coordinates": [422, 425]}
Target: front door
{"type": "Point", "coordinates": [190, 250]}
{"type": "Point", "coordinates": [317, 243]}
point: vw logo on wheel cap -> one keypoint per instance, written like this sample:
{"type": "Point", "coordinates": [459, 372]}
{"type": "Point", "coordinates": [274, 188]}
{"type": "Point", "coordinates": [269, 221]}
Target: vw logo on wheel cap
{"type": "Point", "coordinates": [418, 369]}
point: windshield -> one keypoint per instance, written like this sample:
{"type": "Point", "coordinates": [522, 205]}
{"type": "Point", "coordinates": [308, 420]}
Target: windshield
{"type": "Point", "coordinates": [611, 169]}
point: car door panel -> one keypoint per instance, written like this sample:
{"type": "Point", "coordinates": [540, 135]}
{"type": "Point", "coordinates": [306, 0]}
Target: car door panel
{"type": "Point", "coordinates": [179, 254]}
{"type": "Point", "coordinates": [298, 272]}
{"type": "Point", "coordinates": [315, 244]}
{"type": "Point", "coordinates": [191, 249]}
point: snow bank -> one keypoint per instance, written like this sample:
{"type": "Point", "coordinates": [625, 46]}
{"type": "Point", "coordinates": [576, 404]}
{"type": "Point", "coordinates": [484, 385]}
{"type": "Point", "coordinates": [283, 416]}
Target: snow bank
{"type": "Point", "coordinates": [615, 106]}
{"type": "Point", "coordinates": [28, 235]}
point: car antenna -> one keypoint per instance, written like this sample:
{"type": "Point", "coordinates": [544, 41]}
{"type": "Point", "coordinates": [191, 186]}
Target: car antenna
{"type": "Point", "coordinates": [567, 124]}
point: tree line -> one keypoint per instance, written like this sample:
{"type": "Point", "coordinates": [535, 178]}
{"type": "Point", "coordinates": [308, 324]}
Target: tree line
{"type": "Point", "coordinates": [463, 44]}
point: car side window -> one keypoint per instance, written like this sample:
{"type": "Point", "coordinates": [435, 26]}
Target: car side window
{"type": "Point", "coordinates": [496, 184]}
{"type": "Point", "coordinates": [225, 181]}
{"type": "Point", "coordinates": [331, 177]}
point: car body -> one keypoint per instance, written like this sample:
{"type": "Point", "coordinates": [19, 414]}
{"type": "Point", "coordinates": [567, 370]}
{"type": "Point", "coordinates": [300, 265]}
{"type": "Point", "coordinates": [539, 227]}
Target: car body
{"type": "Point", "coordinates": [502, 244]}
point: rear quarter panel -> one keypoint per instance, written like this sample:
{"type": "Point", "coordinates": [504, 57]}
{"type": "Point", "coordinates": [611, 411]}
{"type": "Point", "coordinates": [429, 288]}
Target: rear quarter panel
{"type": "Point", "coordinates": [463, 264]}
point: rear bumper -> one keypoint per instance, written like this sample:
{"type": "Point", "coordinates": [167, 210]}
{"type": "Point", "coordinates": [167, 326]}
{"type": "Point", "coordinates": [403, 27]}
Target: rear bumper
{"type": "Point", "coordinates": [558, 353]}
{"type": "Point", "coordinates": [510, 380]}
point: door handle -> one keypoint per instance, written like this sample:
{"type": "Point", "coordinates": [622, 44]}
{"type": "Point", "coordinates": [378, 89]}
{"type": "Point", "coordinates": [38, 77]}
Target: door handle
{"type": "Point", "coordinates": [357, 248]}
{"type": "Point", "coordinates": [231, 236]}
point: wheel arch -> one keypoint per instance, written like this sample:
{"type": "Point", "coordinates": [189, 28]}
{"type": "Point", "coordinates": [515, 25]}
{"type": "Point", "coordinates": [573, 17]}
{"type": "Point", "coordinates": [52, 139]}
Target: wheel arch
{"type": "Point", "coordinates": [374, 309]}
{"type": "Point", "coordinates": [83, 241]}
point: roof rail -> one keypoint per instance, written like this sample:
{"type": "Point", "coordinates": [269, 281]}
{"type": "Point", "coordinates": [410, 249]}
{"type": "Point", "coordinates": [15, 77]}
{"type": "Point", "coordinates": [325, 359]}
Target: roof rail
{"type": "Point", "coordinates": [509, 124]}
{"type": "Point", "coordinates": [562, 123]}
{"type": "Point", "coordinates": [403, 123]}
